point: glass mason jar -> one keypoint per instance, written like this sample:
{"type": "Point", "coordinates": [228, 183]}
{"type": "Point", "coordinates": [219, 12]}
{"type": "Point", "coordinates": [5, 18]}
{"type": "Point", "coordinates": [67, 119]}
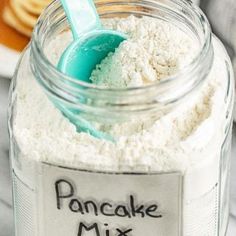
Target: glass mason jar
{"type": "Point", "coordinates": [185, 194]}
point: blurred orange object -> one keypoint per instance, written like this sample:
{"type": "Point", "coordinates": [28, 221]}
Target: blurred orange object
{"type": "Point", "coordinates": [9, 36]}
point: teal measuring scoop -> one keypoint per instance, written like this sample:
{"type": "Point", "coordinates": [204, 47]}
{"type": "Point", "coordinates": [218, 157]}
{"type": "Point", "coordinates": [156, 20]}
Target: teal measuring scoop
{"type": "Point", "coordinates": [90, 46]}
{"type": "Point", "coordinates": [91, 42]}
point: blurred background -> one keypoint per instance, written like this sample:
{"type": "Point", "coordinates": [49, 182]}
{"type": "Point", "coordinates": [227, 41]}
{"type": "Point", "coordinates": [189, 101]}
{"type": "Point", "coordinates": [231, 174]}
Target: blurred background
{"type": "Point", "coordinates": [15, 29]}
{"type": "Point", "coordinates": [222, 16]}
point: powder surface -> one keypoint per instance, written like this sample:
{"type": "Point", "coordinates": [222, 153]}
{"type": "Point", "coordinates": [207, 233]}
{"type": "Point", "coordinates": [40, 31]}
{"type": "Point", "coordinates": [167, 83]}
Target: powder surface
{"type": "Point", "coordinates": [154, 50]}
{"type": "Point", "coordinates": [158, 145]}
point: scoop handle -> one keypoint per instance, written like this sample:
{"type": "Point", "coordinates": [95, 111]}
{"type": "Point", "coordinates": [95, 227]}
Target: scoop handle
{"type": "Point", "coordinates": [82, 16]}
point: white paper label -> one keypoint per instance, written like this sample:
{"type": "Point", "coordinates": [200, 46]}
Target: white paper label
{"type": "Point", "coordinates": [80, 203]}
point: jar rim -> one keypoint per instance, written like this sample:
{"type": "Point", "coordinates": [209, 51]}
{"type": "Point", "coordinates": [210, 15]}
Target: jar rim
{"type": "Point", "coordinates": [184, 77]}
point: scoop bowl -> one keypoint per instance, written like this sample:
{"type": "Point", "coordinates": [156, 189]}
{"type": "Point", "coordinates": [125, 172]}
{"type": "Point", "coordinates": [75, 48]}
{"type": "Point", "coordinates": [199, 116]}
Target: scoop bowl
{"type": "Point", "coordinates": [83, 54]}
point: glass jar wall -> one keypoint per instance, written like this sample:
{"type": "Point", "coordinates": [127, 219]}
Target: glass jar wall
{"type": "Point", "coordinates": [68, 182]}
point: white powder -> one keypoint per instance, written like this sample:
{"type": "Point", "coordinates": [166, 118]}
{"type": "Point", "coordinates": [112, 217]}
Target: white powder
{"type": "Point", "coordinates": [187, 140]}
{"type": "Point", "coordinates": [150, 53]}
{"type": "Point", "coordinates": [164, 136]}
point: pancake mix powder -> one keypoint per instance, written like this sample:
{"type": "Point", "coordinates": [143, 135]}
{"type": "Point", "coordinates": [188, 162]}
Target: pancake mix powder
{"type": "Point", "coordinates": [160, 177]}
